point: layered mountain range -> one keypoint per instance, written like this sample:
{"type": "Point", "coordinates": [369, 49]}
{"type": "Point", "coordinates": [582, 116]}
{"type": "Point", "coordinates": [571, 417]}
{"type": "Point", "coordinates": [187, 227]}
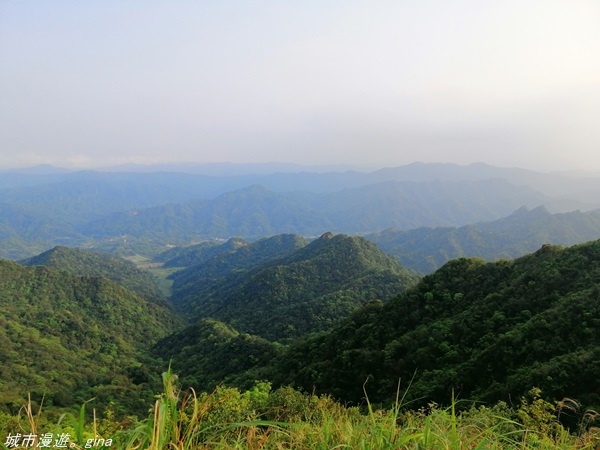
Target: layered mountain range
{"type": "Point", "coordinates": [262, 290]}
{"type": "Point", "coordinates": [143, 212]}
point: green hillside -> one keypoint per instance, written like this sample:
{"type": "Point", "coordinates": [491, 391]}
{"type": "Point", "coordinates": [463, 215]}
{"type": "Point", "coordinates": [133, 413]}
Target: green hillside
{"type": "Point", "coordinates": [490, 331]}
{"type": "Point", "coordinates": [210, 353]}
{"type": "Point", "coordinates": [225, 270]}
{"type": "Point", "coordinates": [311, 289]}
{"type": "Point", "coordinates": [197, 254]}
{"type": "Point", "coordinates": [276, 289]}
{"type": "Point", "coordinates": [69, 338]}
{"type": "Point", "coordinates": [87, 263]}
{"type": "Point", "coordinates": [471, 330]}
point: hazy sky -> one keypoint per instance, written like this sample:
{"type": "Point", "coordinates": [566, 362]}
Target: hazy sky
{"type": "Point", "coordinates": [379, 83]}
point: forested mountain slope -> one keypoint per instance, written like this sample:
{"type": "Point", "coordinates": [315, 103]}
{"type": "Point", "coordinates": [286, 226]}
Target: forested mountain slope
{"type": "Point", "coordinates": [69, 338]}
{"type": "Point", "coordinates": [92, 264]}
{"type": "Point", "coordinates": [307, 290]}
{"type": "Point", "coordinates": [197, 254]}
{"type": "Point", "coordinates": [259, 294]}
{"type": "Point", "coordinates": [209, 353]}
{"type": "Point", "coordinates": [224, 271]}
{"type": "Point", "coordinates": [490, 331]}
{"type": "Point", "coordinates": [524, 231]}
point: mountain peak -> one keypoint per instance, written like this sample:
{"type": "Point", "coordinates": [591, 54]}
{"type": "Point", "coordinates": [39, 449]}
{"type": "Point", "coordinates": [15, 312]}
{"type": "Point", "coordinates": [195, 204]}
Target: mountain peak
{"type": "Point", "coordinates": [541, 211]}
{"type": "Point", "coordinates": [524, 211]}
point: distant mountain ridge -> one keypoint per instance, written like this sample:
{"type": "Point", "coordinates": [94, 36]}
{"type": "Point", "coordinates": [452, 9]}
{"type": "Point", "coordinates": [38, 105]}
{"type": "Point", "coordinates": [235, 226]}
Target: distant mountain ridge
{"type": "Point", "coordinates": [102, 208]}
{"type": "Point", "coordinates": [255, 211]}
{"type": "Point", "coordinates": [524, 231]}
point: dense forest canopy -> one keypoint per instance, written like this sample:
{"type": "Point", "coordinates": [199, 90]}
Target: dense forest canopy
{"type": "Point", "coordinates": [283, 287]}
{"type": "Point", "coordinates": [68, 338]}
{"type": "Point", "coordinates": [490, 331]}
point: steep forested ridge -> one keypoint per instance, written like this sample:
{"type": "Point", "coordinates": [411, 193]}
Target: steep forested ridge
{"type": "Point", "coordinates": [70, 338]}
{"type": "Point", "coordinates": [488, 330]}
{"type": "Point", "coordinates": [309, 289]}
{"type": "Point", "coordinates": [224, 271]}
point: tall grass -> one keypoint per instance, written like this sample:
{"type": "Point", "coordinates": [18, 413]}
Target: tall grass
{"type": "Point", "coordinates": [288, 419]}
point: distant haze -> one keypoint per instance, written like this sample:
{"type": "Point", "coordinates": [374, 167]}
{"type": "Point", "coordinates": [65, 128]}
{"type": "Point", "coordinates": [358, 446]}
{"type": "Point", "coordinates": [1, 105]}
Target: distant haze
{"type": "Point", "coordinates": [354, 83]}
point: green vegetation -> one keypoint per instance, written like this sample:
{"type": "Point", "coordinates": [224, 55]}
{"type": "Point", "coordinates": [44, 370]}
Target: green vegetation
{"type": "Point", "coordinates": [202, 278]}
{"type": "Point", "coordinates": [489, 330]}
{"type": "Point", "coordinates": [86, 263]}
{"type": "Point", "coordinates": [499, 355]}
{"type": "Point", "coordinates": [197, 254]}
{"type": "Point", "coordinates": [65, 339]}
{"type": "Point", "coordinates": [304, 287]}
{"type": "Point", "coordinates": [162, 278]}
{"type": "Point", "coordinates": [210, 352]}
{"type": "Point", "coordinates": [262, 418]}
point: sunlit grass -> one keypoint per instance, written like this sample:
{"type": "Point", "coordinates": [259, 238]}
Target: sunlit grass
{"type": "Point", "coordinates": [287, 419]}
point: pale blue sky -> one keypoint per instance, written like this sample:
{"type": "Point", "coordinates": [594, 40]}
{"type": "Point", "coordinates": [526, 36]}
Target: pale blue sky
{"type": "Point", "coordinates": [371, 83]}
